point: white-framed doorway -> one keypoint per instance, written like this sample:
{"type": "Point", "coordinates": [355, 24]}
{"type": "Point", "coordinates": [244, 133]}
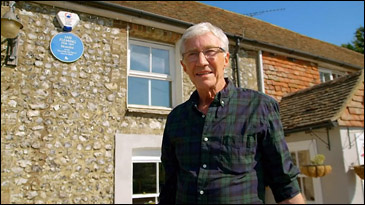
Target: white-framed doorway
{"type": "Point", "coordinates": [301, 153]}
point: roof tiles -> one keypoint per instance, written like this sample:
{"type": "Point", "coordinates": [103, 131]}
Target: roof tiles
{"type": "Point", "coordinates": [324, 103]}
{"type": "Point", "coordinates": [252, 28]}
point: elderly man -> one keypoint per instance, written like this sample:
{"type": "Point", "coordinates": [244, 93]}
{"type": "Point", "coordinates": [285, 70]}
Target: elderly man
{"type": "Point", "coordinates": [225, 144]}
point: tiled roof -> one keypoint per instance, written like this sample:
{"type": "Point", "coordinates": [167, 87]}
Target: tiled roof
{"type": "Point", "coordinates": [324, 103]}
{"type": "Point", "coordinates": [251, 28]}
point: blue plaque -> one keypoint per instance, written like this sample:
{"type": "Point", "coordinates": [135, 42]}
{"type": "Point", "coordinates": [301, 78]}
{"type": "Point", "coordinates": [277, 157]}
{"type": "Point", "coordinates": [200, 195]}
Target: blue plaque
{"type": "Point", "coordinates": [67, 47]}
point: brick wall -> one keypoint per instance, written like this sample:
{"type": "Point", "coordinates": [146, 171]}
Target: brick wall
{"type": "Point", "coordinates": [283, 75]}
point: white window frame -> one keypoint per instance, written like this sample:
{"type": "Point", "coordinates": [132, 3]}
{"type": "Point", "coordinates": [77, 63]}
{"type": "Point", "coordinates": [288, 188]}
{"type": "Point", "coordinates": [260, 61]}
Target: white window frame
{"type": "Point", "coordinates": [127, 147]}
{"type": "Point", "coordinates": [309, 145]}
{"type": "Point", "coordinates": [148, 159]}
{"type": "Point", "coordinates": [154, 76]}
{"type": "Point", "coordinates": [330, 72]}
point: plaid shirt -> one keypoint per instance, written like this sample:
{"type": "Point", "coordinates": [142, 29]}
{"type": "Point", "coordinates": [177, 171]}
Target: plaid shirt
{"type": "Point", "coordinates": [228, 155]}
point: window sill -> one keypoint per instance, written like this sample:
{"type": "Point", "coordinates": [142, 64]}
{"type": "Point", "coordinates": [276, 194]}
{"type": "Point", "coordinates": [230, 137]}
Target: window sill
{"type": "Point", "coordinates": [149, 110]}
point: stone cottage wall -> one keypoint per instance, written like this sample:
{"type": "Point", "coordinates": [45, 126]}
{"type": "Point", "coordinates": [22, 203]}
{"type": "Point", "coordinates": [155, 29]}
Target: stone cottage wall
{"type": "Point", "coordinates": [58, 120]}
{"type": "Point", "coordinates": [247, 68]}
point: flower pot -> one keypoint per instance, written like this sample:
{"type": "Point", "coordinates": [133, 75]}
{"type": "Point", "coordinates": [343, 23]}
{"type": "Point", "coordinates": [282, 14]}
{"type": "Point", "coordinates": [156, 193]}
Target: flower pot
{"type": "Point", "coordinates": [359, 170]}
{"type": "Point", "coordinates": [316, 170]}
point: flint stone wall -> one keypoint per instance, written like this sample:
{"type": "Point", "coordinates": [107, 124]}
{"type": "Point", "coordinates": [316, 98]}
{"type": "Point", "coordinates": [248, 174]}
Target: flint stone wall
{"type": "Point", "coordinates": [59, 120]}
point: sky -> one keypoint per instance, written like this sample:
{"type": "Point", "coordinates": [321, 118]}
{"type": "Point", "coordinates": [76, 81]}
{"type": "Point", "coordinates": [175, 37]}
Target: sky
{"type": "Point", "coordinates": [331, 21]}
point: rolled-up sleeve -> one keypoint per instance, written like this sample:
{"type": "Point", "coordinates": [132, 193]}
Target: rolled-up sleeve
{"type": "Point", "coordinates": [280, 172]}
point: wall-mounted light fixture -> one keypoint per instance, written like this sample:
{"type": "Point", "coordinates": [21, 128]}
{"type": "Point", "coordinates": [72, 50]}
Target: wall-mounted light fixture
{"type": "Point", "coordinates": [10, 27]}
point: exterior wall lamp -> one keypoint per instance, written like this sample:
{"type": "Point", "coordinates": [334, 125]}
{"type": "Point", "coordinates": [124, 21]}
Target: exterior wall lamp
{"type": "Point", "coordinates": [10, 27]}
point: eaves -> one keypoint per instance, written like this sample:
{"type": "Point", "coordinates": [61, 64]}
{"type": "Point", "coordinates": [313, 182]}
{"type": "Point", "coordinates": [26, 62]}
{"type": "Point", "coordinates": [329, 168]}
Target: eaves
{"type": "Point", "coordinates": [112, 10]}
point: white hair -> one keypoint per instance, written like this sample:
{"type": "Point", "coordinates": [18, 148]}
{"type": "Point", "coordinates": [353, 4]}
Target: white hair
{"type": "Point", "coordinates": [201, 29]}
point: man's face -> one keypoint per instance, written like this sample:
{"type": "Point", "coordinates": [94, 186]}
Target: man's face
{"type": "Point", "coordinates": [205, 73]}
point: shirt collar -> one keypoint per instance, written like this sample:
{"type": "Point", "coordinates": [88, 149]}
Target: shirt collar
{"type": "Point", "coordinates": [221, 97]}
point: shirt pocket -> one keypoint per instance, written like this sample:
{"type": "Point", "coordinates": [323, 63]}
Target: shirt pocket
{"type": "Point", "coordinates": [237, 153]}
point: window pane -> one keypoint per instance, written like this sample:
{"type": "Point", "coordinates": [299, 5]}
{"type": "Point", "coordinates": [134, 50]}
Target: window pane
{"type": "Point", "coordinates": [161, 91]}
{"type": "Point", "coordinates": [137, 91]}
{"type": "Point", "coordinates": [327, 77]}
{"type": "Point", "coordinates": [150, 200]}
{"type": "Point", "coordinates": [322, 77]}
{"type": "Point", "coordinates": [160, 61]}
{"type": "Point", "coordinates": [303, 157]}
{"type": "Point", "coordinates": [334, 76]}
{"type": "Point", "coordinates": [140, 58]}
{"type": "Point", "coordinates": [144, 178]}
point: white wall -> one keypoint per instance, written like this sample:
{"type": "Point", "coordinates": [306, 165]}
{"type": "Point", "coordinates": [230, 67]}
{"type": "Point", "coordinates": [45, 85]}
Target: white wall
{"type": "Point", "coordinates": [342, 185]}
{"type": "Point", "coordinates": [350, 154]}
{"type": "Point", "coordinates": [124, 146]}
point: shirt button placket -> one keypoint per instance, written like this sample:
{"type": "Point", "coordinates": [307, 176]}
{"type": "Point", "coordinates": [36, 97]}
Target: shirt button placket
{"type": "Point", "coordinates": [205, 140]}
{"type": "Point", "coordinates": [201, 197]}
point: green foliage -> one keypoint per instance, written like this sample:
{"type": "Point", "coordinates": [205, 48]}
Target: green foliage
{"type": "Point", "coordinates": [318, 159]}
{"type": "Point", "coordinates": [357, 44]}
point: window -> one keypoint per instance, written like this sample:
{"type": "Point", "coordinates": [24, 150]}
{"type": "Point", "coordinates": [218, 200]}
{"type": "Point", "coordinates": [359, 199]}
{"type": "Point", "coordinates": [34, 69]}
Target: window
{"type": "Point", "coordinates": [301, 153]}
{"type": "Point", "coordinates": [132, 151]}
{"type": "Point", "coordinates": [327, 75]}
{"type": "Point", "coordinates": [148, 177]}
{"type": "Point", "coordinates": [301, 158]}
{"type": "Point", "coordinates": [150, 74]}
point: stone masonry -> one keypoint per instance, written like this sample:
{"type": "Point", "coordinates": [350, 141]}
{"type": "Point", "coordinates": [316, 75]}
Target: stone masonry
{"type": "Point", "coordinates": [59, 120]}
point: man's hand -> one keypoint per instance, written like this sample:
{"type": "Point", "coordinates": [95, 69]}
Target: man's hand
{"type": "Point", "coordinates": [298, 199]}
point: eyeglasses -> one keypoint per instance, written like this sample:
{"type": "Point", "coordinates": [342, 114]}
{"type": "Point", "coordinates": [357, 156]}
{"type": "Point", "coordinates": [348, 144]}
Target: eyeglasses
{"type": "Point", "coordinates": [209, 54]}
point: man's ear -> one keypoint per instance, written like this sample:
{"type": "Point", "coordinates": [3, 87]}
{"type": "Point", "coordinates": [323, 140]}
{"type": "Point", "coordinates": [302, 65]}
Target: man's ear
{"type": "Point", "coordinates": [183, 65]}
{"type": "Point", "coordinates": [226, 60]}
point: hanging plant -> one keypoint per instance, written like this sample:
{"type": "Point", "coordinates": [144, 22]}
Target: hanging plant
{"type": "Point", "coordinates": [359, 170]}
{"type": "Point", "coordinates": [317, 168]}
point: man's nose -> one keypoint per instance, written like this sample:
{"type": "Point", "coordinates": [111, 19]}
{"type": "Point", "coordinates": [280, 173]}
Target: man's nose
{"type": "Point", "coordinates": [202, 60]}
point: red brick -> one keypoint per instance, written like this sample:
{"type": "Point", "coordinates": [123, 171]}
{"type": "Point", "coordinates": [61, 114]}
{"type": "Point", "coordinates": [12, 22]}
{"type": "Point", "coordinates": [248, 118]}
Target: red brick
{"type": "Point", "coordinates": [290, 75]}
{"type": "Point", "coordinates": [277, 88]}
